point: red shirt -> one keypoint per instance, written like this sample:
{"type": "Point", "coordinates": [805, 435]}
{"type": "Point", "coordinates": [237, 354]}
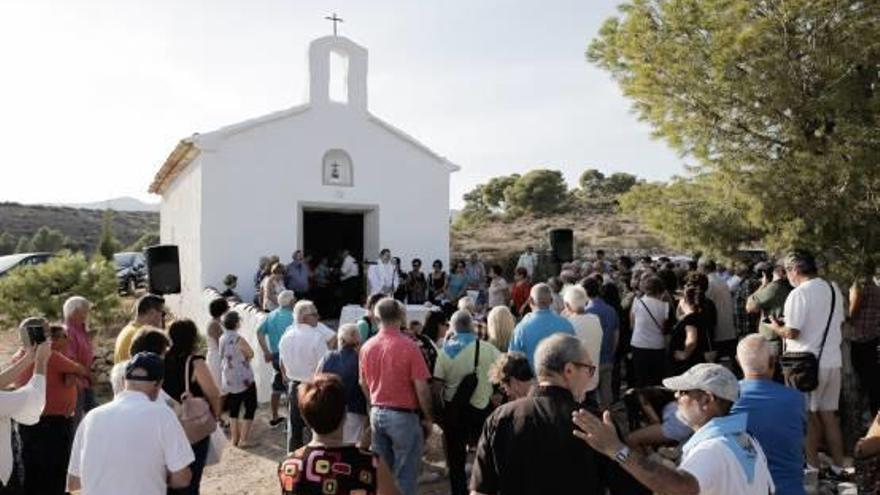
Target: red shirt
{"type": "Point", "coordinates": [390, 364]}
{"type": "Point", "coordinates": [520, 293]}
{"type": "Point", "coordinates": [60, 397]}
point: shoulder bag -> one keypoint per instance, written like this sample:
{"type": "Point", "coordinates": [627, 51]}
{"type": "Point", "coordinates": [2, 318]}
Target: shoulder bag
{"type": "Point", "coordinates": [647, 310]}
{"type": "Point", "coordinates": [461, 400]}
{"type": "Point", "coordinates": [194, 413]}
{"type": "Point", "coordinates": [801, 369]}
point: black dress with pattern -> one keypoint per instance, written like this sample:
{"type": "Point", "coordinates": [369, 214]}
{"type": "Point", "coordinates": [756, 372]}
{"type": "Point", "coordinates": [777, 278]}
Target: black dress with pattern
{"type": "Point", "coordinates": [320, 470]}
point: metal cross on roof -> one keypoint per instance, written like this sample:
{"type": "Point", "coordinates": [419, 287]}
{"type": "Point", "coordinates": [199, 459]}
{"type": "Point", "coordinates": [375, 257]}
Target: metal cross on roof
{"type": "Point", "coordinates": [334, 19]}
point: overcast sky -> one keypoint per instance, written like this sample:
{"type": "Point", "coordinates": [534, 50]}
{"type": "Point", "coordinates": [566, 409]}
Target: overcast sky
{"type": "Point", "coordinates": [95, 94]}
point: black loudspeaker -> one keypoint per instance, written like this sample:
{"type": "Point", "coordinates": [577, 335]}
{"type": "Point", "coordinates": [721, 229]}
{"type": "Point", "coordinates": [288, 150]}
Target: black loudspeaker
{"type": "Point", "coordinates": [163, 269]}
{"type": "Point", "coordinates": [562, 245]}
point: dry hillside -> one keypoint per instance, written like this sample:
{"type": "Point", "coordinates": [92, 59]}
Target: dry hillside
{"type": "Point", "coordinates": [82, 226]}
{"type": "Point", "coordinates": [499, 239]}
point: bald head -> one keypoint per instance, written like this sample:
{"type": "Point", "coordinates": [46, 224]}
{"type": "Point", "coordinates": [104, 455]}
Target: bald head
{"type": "Point", "coordinates": [754, 356]}
{"type": "Point", "coordinates": [541, 296]}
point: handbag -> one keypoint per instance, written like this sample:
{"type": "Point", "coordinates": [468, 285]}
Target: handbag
{"type": "Point", "coordinates": [194, 413]}
{"type": "Point", "coordinates": [801, 369]}
{"type": "Point", "coordinates": [467, 386]}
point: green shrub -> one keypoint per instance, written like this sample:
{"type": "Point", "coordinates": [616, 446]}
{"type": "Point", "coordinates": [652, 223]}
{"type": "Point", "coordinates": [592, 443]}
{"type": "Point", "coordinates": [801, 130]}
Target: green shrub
{"type": "Point", "coordinates": [42, 289]}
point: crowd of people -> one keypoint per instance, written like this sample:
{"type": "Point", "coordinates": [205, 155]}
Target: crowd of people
{"type": "Point", "coordinates": [631, 377]}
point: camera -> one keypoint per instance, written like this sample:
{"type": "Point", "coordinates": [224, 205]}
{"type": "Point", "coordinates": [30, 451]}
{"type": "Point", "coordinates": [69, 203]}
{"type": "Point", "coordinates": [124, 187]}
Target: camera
{"type": "Point", "coordinates": [36, 334]}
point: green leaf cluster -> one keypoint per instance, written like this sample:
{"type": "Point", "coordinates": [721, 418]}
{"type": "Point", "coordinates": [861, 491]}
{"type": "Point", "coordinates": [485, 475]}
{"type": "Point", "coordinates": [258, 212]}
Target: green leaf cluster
{"type": "Point", "coordinates": [594, 183]}
{"type": "Point", "coordinates": [776, 102]}
{"type": "Point", "coordinates": [40, 290]}
{"type": "Point", "coordinates": [45, 239]}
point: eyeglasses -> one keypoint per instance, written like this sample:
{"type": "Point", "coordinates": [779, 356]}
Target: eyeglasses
{"type": "Point", "coordinates": [591, 370]}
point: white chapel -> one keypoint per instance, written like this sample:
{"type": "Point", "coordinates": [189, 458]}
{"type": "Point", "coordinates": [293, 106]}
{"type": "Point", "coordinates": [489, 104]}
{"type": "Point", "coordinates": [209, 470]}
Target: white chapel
{"type": "Point", "coordinates": [319, 176]}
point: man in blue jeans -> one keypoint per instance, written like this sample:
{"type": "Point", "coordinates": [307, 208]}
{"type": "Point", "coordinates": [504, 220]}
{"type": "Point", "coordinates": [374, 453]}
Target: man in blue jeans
{"type": "Point", "coordinates": [777, 415]}
{"type": "Point", "coordinates": [394, 376]}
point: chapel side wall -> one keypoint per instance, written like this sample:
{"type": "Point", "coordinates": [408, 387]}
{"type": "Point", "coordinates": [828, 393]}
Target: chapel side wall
{"type": "Point", "coordinates": [259, 178]}
{"type": "Point", "coordinates": [179, 224]}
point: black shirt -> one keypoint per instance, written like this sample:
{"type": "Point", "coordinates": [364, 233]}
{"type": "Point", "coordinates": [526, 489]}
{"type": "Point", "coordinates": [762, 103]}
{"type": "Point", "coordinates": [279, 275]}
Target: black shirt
{"type": "Point", "coordinates": [527, 447]}
{"type": "Point", "coordinates": [699, 320]}
{"type": "Point", "coordinates": [174, 383]}
{"type": "Point", "coordinates": [320, 470]}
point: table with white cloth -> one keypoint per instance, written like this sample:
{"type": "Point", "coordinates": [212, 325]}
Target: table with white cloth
{"type": "Point", "coordinates": [351, 313]}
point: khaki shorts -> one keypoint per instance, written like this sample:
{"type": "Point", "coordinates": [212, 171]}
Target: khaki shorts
{"type": "Point", "coordinates": [826, 397]}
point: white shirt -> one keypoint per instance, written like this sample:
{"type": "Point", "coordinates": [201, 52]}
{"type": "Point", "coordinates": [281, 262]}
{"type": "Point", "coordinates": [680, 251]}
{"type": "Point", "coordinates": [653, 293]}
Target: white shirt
{"type": "Point", "coordinates": [719, 473]}
{"type": "Point", "coordinates": [382, 278]}
{"type": "Point", "coordinates": [646, 333]}
{"type": "Point", "coordinates": [129, 445]}
{"type": "Point", "coordinates": [807, 309]}
{"type": "Point", "coordinates": [719, 294]}
{"type": "Point", "coordinates": [734, 282]}
{"type": "Point", "coordinates": [24, 405]}
{"type": "Point", "coordinates": [498, 292]}
{"type": "Point", "coordinates": [528, 261]}
{"type": "Point", "coordinates": [301, 349]}
{"type": "Point", "coordinates": [588, 328]}
{"type": "Point", "coordinates": [348, 269]}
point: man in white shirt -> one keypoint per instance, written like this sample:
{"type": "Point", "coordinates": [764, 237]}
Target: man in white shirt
{"type": "Point", "coordinates": [721, 458]}
{"type": "Point", "coordinates": [301, 349]}
{"type": "Point", "coordinates": [382, 277]}
{"type": "Point", "coordinates": [807, 311]}
{"type": "Point", "coordinates": [719, 294]}
{"type": "Point", "coordinates": [587, 327]}
{"type": "Point", "coordinates": [348, 278]}
{"type": "Point", "coordinates": [528, 260]}
{"type": "Point", "coordinates": [133, 444]}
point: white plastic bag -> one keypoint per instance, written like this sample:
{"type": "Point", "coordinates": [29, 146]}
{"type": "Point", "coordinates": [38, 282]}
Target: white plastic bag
{"type": "Point", "coordinates": [215, 449]}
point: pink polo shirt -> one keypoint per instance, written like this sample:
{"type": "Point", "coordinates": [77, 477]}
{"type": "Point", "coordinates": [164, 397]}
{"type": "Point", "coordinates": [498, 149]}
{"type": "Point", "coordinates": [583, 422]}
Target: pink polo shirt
{"type": "Point", "coordinates": [79, 346]}
{"type": "Point", "coordinates": [390, 364]}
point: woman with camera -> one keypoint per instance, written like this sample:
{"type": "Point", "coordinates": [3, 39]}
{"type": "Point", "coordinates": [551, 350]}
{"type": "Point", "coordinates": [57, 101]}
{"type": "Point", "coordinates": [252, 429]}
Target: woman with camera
{"type": "Point", "coordinates": [23, 405]}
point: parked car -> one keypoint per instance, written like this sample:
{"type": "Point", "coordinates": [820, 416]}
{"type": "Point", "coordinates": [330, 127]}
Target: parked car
{"type": "Point", "coordinates": [131, 271]}
{"type": "Point", "coordinates": [9, 262]}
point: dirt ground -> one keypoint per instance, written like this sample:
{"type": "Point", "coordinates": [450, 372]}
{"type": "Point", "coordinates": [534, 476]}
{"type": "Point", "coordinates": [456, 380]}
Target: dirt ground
{"type": "Point", "coordinates": [253, 471]}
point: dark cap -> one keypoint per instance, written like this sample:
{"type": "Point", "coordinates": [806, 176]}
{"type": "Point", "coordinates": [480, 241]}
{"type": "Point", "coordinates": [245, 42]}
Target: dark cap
{"type": "Point", "coordinates": [145, 367]}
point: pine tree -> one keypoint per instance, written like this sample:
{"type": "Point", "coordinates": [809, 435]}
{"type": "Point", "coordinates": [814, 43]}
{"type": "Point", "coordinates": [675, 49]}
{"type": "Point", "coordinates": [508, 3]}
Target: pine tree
{"type": "Point", "coordinates": [107, 245]}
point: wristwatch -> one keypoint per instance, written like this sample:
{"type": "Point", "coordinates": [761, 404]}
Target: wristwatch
{"type": "Point", "coordinates": [622, 455]}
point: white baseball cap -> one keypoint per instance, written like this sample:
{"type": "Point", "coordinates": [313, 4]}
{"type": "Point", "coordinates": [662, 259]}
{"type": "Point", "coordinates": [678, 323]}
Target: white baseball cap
{"type": "Point", "coordinates": [708, 377]}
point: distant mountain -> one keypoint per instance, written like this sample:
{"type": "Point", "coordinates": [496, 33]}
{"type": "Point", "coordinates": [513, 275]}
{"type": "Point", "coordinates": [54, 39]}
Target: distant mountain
{"type": "Point", "coordinates": [124, 203]}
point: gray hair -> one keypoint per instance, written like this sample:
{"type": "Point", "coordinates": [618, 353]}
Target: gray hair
{"type": "Point", "coordinates": [303, 307]}
{"type": "Point", "coordinates": [74, 304]}
{"type": "Point", "coordinates": [389, 311]}
{"type": "Point", "coordinates": [348, 335]}
{"type": "Point", "coordinates": [541, 295]}
{"type": "Point", "coordinates": [462, 320]}
{"type": "Point", "coordinates": [802, 262]}
{"type": "Point", "coordinates": [468, 304]}
{"type": "Point", "coordinates": [575, 297]}
{"type": "Point", "coordinates": [555, 351]}
{"type": "Point", "coordinates": [753, 354]}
